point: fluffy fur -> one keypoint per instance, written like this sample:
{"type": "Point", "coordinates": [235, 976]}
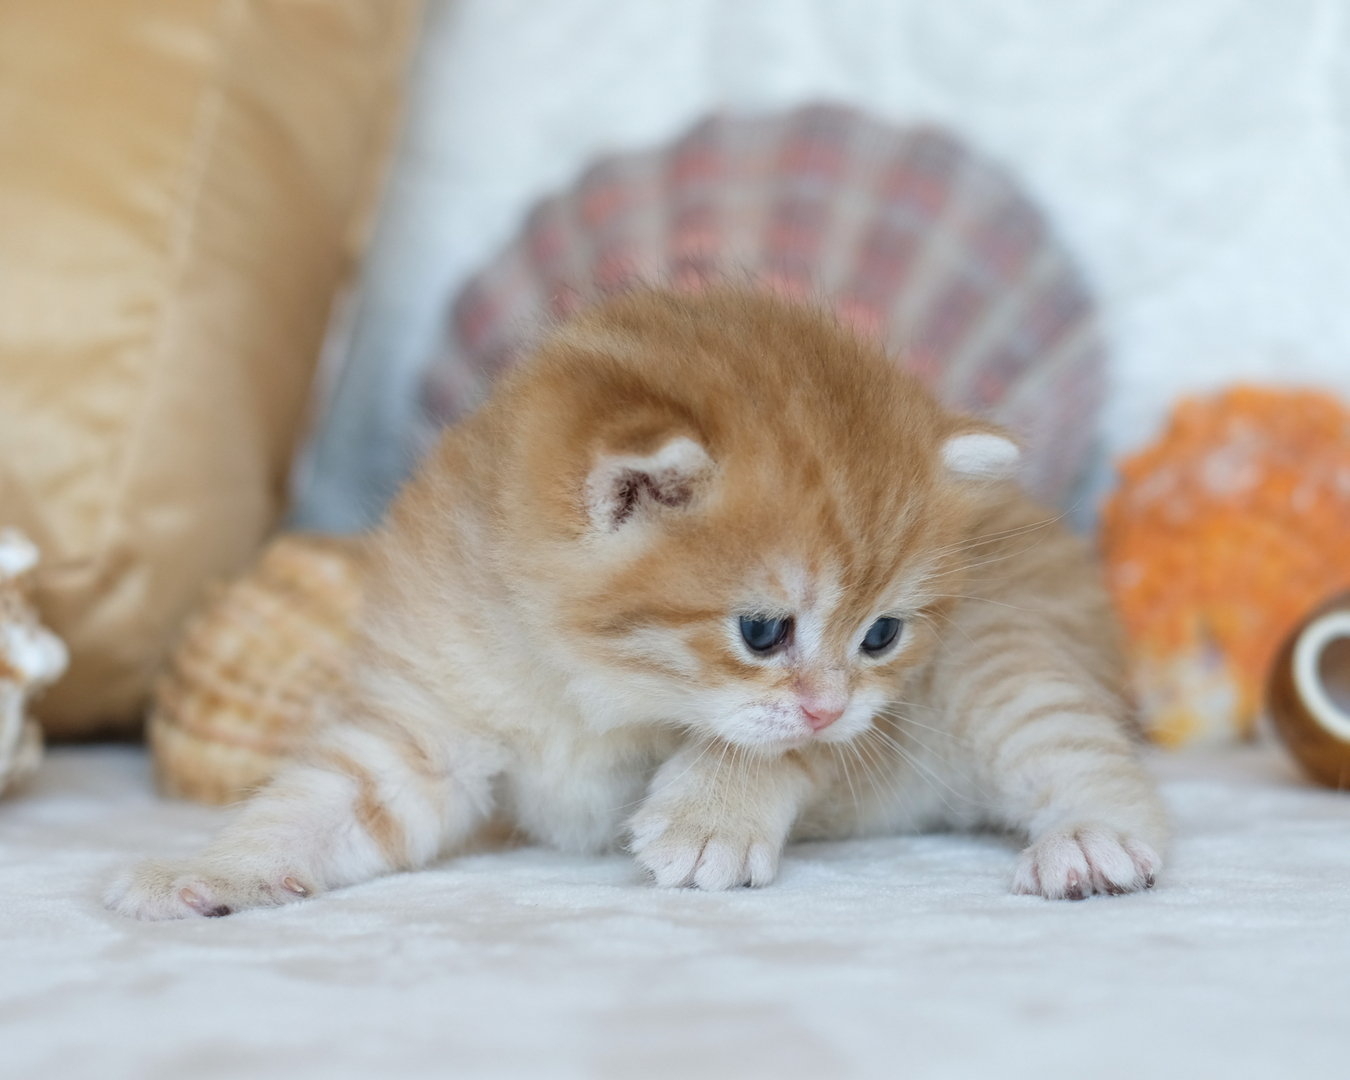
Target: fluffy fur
{"type": "Point", "coordinates": [553, 632]}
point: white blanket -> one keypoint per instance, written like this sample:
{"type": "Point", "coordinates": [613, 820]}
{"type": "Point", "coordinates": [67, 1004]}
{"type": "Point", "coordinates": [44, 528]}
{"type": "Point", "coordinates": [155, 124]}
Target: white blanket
{"type": "Point", "coordinates": [901, 957]}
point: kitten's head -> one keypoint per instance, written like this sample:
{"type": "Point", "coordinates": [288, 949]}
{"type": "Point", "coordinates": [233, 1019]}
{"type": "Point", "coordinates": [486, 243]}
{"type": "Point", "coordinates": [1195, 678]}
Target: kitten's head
{"type": "Point", "coordinates": [735, 515]}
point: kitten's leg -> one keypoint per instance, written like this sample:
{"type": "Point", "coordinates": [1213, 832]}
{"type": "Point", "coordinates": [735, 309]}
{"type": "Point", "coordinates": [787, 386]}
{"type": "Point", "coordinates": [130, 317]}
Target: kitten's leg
{"type": "Point", "coordinates": [362, 803]}
{"type": "Point", "coordinates": [717, 816]}
{"type": "Point", "coordinates": [1055, 759]}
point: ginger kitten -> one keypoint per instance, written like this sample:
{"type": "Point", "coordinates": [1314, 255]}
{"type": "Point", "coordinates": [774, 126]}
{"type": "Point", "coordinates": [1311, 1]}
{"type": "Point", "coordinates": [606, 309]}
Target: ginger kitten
{"type": "Point", "coordinates": [713, 558]}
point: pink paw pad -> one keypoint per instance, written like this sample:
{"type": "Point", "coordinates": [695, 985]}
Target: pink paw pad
{"type": "Point", "coordinates": [202, 904]}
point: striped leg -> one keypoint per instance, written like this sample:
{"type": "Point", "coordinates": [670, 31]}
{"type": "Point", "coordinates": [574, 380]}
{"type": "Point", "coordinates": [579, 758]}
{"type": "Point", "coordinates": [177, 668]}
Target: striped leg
{"type": "Point", "coordinates": [1057, 764]}
{"type": "Point", "coordinates": [360, 805]}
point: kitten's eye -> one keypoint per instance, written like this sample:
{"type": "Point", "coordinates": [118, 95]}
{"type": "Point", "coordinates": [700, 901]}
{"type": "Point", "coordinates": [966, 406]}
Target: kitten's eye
{"type": "Point", "coordinates": [764, 634]}
{"type": "Point", "coordinates": [880, 635]}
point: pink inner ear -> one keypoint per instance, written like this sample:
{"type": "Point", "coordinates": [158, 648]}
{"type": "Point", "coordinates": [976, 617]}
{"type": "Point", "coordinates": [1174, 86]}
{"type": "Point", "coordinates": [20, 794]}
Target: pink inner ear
{"type": "Point", "coordinates": [619, 487]}
{"type": "Point", "coordinates": [633, 487]}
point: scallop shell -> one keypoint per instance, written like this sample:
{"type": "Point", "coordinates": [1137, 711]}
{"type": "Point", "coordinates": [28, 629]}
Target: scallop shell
{"type": "Point", "coordinates": [912, 238]}
{"type": "Point", "coordinates": [243, 687]}
{"type": "Point", "coordinates": [31, 657]}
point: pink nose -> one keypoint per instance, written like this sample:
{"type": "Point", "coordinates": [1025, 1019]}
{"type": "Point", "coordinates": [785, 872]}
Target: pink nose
{"type": "Point", "coordinates": [821, 716]}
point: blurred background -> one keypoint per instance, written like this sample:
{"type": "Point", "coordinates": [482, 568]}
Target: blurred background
{"type": "Point", "coordinates": [1192, 157]}
{"type": "Point", "coordinates": [254, 252]}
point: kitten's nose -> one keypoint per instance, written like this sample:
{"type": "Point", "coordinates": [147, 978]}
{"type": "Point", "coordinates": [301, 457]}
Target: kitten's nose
{"type": "Point", "coordinates": [820, 716]}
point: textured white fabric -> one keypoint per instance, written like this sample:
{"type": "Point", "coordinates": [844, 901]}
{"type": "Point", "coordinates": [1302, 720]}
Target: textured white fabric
{"type": "Point", "coordinates": [886, 958]}
{"type": "Point", "coordinates": [1195, 156]}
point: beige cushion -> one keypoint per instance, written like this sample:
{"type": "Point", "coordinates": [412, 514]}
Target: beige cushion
{"type": "Point", "coordinates": [184, 185]}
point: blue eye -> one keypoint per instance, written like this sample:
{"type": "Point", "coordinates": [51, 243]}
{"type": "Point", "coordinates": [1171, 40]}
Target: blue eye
{"type": "Point", "coordinates": [763, 634]}
{"type": "Point", "coordinates": [880, 635]}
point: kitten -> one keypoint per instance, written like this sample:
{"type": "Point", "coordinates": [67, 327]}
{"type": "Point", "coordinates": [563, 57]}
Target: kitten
{"type": "Point", "coordinates": [715, 558]}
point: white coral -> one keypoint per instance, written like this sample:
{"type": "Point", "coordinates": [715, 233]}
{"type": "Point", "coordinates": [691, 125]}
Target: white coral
{"type": "Point", "coordinates": [31, 657]}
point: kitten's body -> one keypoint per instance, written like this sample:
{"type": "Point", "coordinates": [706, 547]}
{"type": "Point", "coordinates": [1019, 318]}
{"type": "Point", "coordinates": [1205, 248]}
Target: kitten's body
{"type": "Point", "coordinates": [557, 631]}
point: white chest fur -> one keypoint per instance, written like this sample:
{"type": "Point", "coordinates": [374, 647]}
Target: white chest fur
{"type": "Point", "coordinates": [574, 789]}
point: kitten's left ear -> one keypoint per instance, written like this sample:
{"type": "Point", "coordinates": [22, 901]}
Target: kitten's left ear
{"type": "Point", "coordinates": [981, 455]}
{"type": "Point", "coordinates": [623, 486]}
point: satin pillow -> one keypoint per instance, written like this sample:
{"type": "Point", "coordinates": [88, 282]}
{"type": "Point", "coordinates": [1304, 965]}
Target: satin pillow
{"type": "Point", "coordinates": [184, 184]}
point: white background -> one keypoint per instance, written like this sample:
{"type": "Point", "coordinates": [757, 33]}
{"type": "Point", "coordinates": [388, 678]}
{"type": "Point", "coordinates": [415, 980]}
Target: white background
{"type": "Point", "coordinates": [1194, 156]}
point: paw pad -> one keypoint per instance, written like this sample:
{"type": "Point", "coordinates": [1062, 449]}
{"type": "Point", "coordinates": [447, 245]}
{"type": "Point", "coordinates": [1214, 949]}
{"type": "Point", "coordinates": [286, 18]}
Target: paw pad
{"type": "Point", "coordinates": [1073, 864]}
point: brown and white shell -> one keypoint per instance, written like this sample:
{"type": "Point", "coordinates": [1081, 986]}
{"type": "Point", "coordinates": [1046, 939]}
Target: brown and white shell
{"type": "Point", "coordinates": [31, 657]}
{"type": "Point", "coordinates": [912, 237]}
{"type": "Point", "coordinates": [243, 687]}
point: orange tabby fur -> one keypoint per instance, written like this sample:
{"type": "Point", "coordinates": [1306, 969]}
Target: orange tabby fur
{"type": "Point", "coordinates": [553, 632]}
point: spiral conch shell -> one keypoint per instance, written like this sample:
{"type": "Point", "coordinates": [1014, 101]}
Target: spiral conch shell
{"type": "Point", "coordinates": [243, 687]}
{"type": "Point", "coordinates": [31, 657]}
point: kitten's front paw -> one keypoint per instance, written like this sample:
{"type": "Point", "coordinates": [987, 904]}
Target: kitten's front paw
{"type": "Point", "coordinates": [1072, 864]}
{"type": "Point", "coordinates": [157, 890]}
{"type": "Point", "coordinates": [679, 850]}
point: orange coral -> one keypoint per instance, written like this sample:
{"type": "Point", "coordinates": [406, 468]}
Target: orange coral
{"type": "Point", "coordinates": [1229, 528]}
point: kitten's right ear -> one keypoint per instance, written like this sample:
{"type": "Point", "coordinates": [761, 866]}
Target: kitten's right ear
{"type": "Point", "coordinates": [981, 455]}
{"type": "Point", "coordinates": [622, 487]}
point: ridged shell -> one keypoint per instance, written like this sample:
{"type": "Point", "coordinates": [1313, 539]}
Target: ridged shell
{"type": "Point", "coordinates": [911, 237]}
{"type": "Point", "coordinates": [242, 687]}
